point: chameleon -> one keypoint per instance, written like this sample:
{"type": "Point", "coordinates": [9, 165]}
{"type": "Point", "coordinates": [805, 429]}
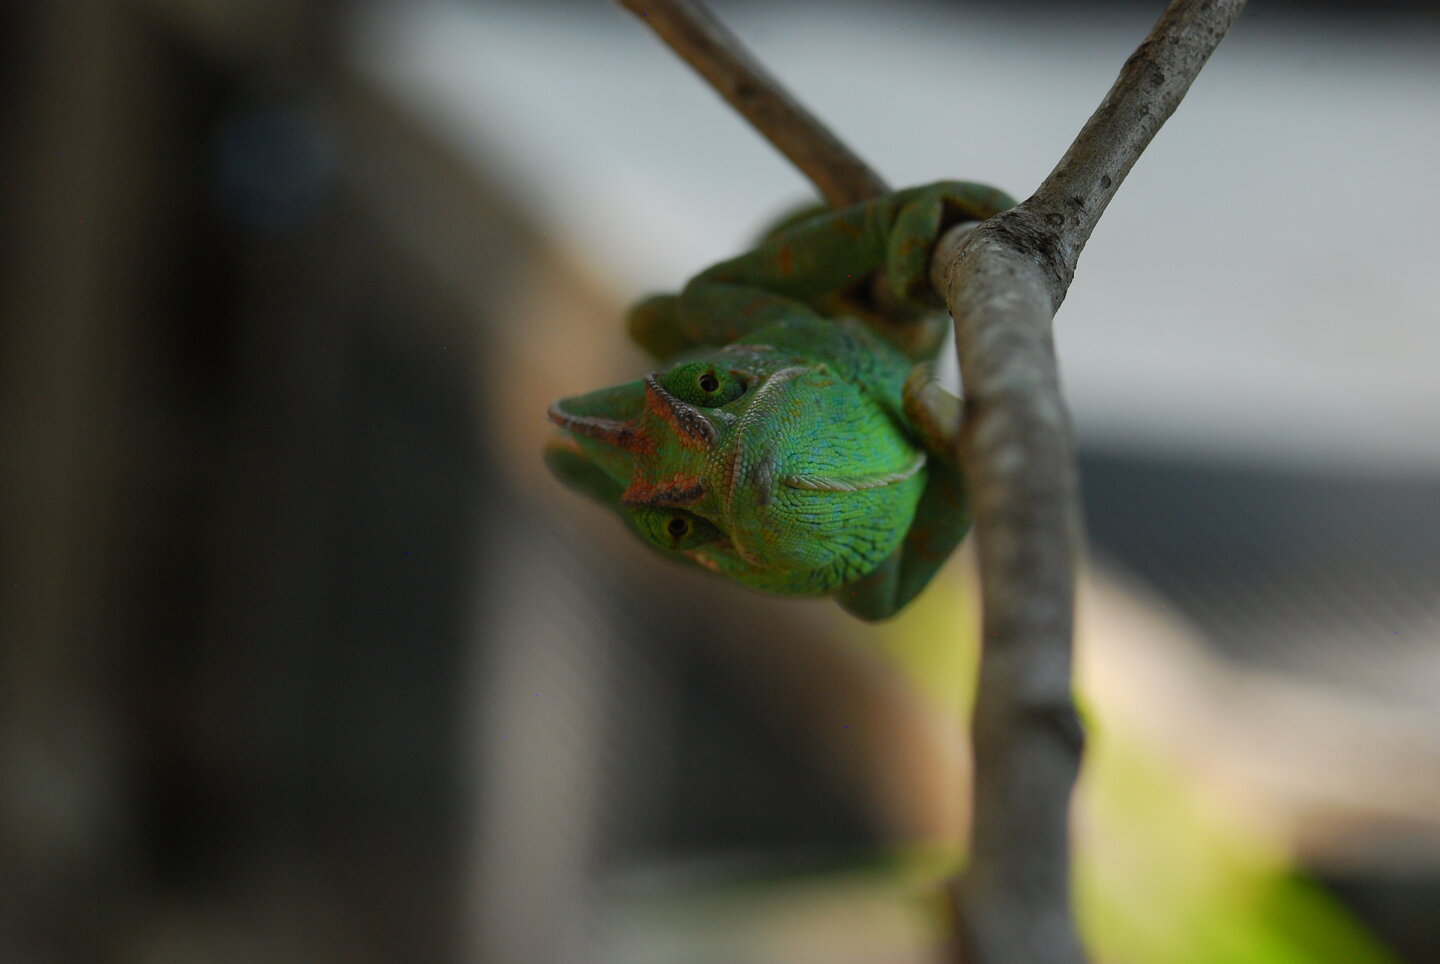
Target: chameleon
{"type": "Point", "coordinates": [796, 439]}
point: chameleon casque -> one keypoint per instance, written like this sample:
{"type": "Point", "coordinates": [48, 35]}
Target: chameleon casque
{"type": "Point", "coordinates": [788, 443]}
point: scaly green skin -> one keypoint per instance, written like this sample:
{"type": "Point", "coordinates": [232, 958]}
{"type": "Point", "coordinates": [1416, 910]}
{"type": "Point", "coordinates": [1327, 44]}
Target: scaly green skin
{"type": "Point", "coordinates": [789, 446]}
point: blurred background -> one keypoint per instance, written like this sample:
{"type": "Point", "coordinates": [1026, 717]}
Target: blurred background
{"type": "Point", "coordinates": [303, 657]}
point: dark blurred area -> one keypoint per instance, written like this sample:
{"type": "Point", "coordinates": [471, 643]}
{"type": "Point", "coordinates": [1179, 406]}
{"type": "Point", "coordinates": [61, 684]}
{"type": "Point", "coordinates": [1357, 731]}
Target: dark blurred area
{"type": "Point", "coordinates": [241, 466]}
{"type": "Point", "coordinates": [252, 525]}
{"type": "Point", "coordinates": [297, 665]}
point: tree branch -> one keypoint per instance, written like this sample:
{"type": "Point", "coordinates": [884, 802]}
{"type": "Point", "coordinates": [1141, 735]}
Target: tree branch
{"type": "Point", "coordinates": [1150, 87]}
{"type": "Point", "coordinates": [716, 54]}
{"type": "Point", "coordinates": [1002, 281]}
{"type": "Point", "coordinates": [1018, 456]}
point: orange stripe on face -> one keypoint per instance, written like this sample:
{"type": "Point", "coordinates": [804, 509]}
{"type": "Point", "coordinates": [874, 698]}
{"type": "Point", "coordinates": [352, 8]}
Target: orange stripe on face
{"type": "Point", "coordinates": [675, 492]}
{"type": "Point", "coordinates": [691, 428]}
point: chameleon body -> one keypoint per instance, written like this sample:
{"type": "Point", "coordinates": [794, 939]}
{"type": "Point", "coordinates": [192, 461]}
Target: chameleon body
{"type": "Point", "coordinates": [788, 444]}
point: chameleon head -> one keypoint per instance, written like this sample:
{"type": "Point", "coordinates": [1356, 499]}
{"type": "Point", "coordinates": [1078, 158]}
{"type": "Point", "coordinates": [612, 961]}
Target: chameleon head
{"type": "Point", "coordinates": [785, 478]}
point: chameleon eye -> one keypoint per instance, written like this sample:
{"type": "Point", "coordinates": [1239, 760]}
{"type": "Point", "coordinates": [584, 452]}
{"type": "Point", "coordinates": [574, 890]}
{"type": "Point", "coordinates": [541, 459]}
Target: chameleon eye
{"type": "Point", "coordinates": [673, 529]}
{"type": "Point", "coordinates": [701, 383]}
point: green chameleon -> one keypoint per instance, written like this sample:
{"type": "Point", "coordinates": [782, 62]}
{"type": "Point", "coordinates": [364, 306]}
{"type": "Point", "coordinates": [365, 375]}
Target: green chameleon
{"type": "Point", "coordinates": [789, 444]}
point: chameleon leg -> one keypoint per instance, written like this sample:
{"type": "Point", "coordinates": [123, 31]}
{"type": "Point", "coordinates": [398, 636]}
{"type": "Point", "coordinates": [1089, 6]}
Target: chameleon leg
{"type": "Point", "coordinates": [918, 223]}
{"type": "Point", "coordinates": [907, 251]}
{"type": "Point", "coordinates": [932, 411]}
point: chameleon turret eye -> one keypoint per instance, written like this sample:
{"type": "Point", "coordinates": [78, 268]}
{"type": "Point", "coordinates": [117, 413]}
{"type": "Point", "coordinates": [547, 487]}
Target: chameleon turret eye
{"type": "Point", "coordinates": [673, 529]}
{"type": "Point", "coordinates": [703, 384]}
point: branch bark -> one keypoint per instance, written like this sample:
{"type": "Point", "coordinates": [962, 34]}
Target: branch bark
{"type": "Point", "coordinates": [1053, 225]}
{"type": "Point", "coordinates": [1018, 455]}
{"type": "Point", "coordinates": [716, 54]}
{"type": "Point", "coordinates": [1003, 280]}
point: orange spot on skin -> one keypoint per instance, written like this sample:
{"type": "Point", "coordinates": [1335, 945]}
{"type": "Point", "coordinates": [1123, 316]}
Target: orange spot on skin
{"type": "Point", "coordinates": [785, 260]}
{"type": "Point", "coordinates": [703, 559]}
{"type": "Point", "coordinates": [638, 444]}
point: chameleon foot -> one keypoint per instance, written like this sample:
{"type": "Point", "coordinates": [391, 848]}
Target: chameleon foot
{"type": "Point", "coordinates": [933, 412]}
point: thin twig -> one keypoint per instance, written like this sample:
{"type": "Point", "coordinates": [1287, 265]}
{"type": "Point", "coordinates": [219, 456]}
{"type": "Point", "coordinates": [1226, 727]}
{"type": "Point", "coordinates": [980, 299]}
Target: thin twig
{"type": "Point", "coordinates": [1002, 283]}
{"type": "Point", "coordinates": [1056, 221]}
{"type": "Point", "coordinates": [716, 54]}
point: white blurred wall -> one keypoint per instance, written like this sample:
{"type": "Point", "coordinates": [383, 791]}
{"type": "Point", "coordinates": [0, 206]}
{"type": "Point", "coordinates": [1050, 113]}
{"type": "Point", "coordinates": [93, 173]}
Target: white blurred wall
{"type": "Point", "coordinates": [1260, 287]}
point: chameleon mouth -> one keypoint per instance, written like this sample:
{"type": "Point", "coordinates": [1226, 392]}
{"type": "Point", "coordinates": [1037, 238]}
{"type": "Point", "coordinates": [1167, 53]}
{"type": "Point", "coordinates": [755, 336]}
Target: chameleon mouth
{"type": "Point", "coordinates": [622, 435]}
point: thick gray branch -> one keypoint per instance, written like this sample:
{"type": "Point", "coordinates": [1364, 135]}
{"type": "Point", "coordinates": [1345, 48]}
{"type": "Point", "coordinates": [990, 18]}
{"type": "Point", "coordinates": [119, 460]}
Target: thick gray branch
{"type": "Point", "coordinates": [717, 55]}
{"type": "Point", "coordinates": [1002, 281]}
{"type": "Point", "coordinates": [1020, 469]}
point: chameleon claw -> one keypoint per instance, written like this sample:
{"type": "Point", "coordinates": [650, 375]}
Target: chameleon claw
{"type": "Point", "coordinates": [934, 412]}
